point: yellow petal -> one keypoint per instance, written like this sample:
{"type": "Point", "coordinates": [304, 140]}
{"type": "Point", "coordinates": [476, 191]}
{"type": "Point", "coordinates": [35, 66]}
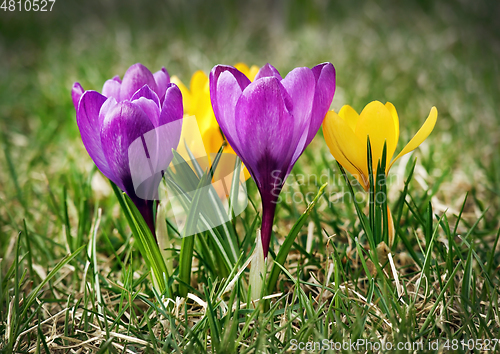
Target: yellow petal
{"type": "Point", "coordinates": [391, 230]}
{"type": "Point", "coordinates": [200, 94]}
{"type": "Point", "coordinates": [376, 121]}
{"type": "Point", "coordinates": [199, 82]}
{"type": "Point", "coordinates": [248, 72]}
{"type": "Point", "coordinates": [347, 149]}
{"type": "Point", "coordinates": [421, 135]}
{"type": "Point", "coordinates": [243, 68]}
{"type": "Point", "coordinates": [254, 70]}
{"type": "Point", "coordinates": [191, 137]}
{"type": "Point", "coordinates": [228, 149]}
{"type": "Point", "coordinates": [186, 95]}
{"type": "Point", "coordinates": [223, 174]}
{"type": "Point", "coordinates": [205, 115]}
{"type": "Point", "coordinates": [348, 114]}
{"type": "Point", "coordinates": [394, 114]}
{"type": "Point", "coordinates": [212, 139]}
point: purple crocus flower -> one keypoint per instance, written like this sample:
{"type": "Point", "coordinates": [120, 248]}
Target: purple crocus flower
{"type": "Point", "coordinates": [130, 130]}
{"type": "Point", "coordinates": [270, 121]}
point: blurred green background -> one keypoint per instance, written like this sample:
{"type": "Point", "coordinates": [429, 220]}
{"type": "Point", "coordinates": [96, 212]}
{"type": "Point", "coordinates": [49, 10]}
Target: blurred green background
{"type": "Point", "coordinates": [415, 54]}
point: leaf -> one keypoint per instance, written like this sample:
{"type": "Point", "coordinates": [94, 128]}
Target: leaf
{"type": "Point", "coordinates": [145, 241]}
{"type": "Point", "coordinates": [289, 240]}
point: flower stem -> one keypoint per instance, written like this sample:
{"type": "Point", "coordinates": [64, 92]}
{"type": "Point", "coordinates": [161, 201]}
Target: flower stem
{"type": "Point", "coordinates": [269, 202]}
{"type": "Point", "coordinates": [145, 207]}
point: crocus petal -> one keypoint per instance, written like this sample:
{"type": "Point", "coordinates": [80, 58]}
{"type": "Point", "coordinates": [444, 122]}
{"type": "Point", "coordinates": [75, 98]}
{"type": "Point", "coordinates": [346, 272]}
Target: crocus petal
{"type": "Point", "coordinates": [248, 72]}
{"type": "Point", "coordinates": [201, 105]}
{"type": "Point", "coordinates": [347, 149]}
{"type": "Point", "coordinates": [421, 135]}
{"type": "Point", "coordinates": [390, 225]}
{"type": "Point", "coordinates": [394, 114]}
{"type": "Point", "coordinates": [300, 85]}
{"type": "Point", "coordinates": [122, 125]}
{"type": "Point", "coordinates": [226, 86]}
{"type": "Point", "coordinates": [87, 118]}
{"type": "Point", "coordinates": [254, 70]}
{"type": "Point", "coordinates": [198, 82]}
{"type": "Point", "coordinates": [243, 68]}
{"type": "Point", "coordinates": [147, 93]}
{"type": "Point", "coordinates": [212, 140]}
{"type": "Point", "coordinates": [172, 109]}
{"type": "Point", "coordinates": [162, 79]}
{"type": "Point", "coordinates": [159, 143]}
{"type": "Point", "coordinates": [134, 79]}
{"type": "Point", "coordinates": [149, 102]}
{"type": "Point", "coordinates": [351, 117]}
{"type": "Point", "coordinates": [186, 94]}
{"type": "Point", "coordinates": [169, 129]}
{"type": "Point", "coordinates": [377, 122]}
{"type": "Point", "coordinates": [325, 89]}
{"type": "Point", "coordinates": [266, 129]}
{"type": "Point", "coordinates": [117, 79]}
{"type": "Point", "coordinates": [105, 108]}
{"type": "Point", "coordinates": [76, 94]}
{"type": "Point", "coordinates": [268, 71]}
{"type": "Point", "coordinates": [111, 88]}
{"type": "Point", "coordinates": [150, 108]}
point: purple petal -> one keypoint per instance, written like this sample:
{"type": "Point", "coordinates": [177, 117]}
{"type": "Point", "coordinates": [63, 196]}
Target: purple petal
{"type": "Point", "coordinates": [267, 71]}
{"type": "Point", "coordinates": [150, 108]}
{"type": "Point", "coordinates": [265, 129]}
{"type": "Point", "coordinates": [108, 105]}
{"type": "Point", "coordinates": [162, 80]}
{"type": "Point", "coordinates": [135, 78]}
{"type": "Point", "coordinates": [168, 131]}
{"type": "Point", "coordinates": [226, 85]}
{"type": "Point", "coordinates": [149, 102]}
{"type": "Point", "coordinates": [87, 118]}
{"type": "Point", "coordinates": [123, 124]}
{"type": "Point", "coordinates": [159, 143]}
{"type": "Point", "coordinates": [147, 93]}
{"type": "Point", "coordinates": [76, 94]}
{"type": "Point", "coordinates": [217, 70]}
{"type": "Point", "coordinates": [300, 84]}
{"type": "Point", "coordinates": [325, 89]}
{"type": "Point", "coordinates": [111, 88]}
{"type": "Point", "coordinates": [172, 108]}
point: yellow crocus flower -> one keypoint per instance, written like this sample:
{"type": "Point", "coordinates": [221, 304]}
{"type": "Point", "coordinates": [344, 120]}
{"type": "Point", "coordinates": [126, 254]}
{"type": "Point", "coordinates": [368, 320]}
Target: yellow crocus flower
{"type": "Point", "coordinates": [346, 135]}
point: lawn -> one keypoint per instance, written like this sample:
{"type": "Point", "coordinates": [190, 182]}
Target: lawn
{"type": "Point", "coordinates": [72, 275]}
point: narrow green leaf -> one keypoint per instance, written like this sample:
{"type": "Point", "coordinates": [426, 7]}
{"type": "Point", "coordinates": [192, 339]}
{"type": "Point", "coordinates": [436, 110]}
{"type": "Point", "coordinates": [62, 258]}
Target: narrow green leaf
{"type": "Point", "coordinates": [289, 240]}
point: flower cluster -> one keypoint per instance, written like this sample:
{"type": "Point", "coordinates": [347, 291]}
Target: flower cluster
{"type": "Point", "coordinates": [267, 120]}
